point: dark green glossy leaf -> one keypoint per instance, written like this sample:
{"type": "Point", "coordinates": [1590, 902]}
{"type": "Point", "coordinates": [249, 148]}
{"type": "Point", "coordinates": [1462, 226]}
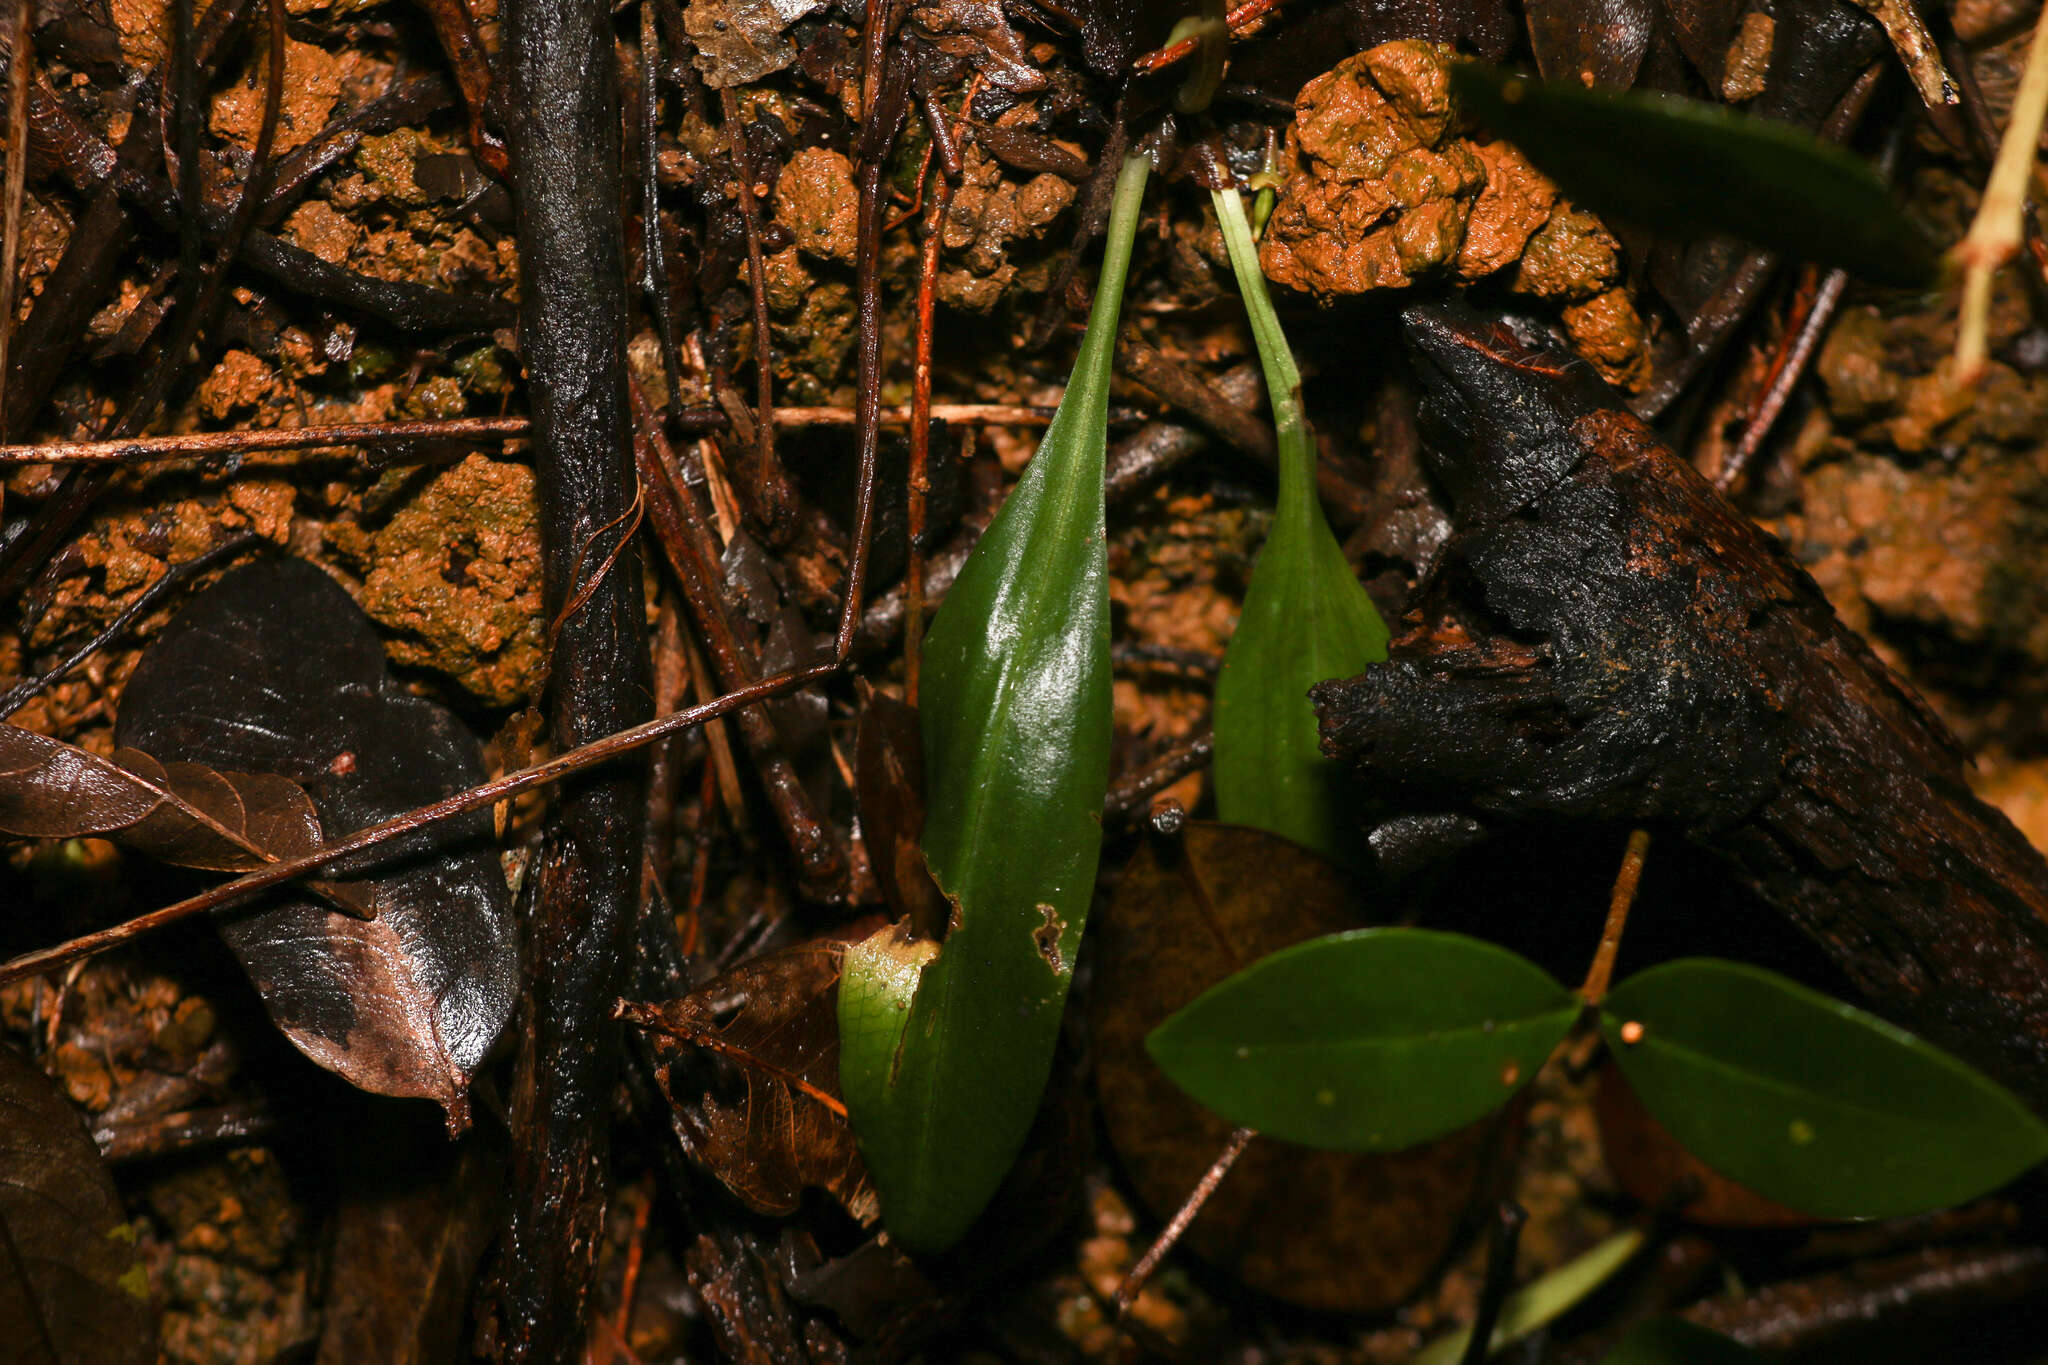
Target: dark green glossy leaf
{"type": "Point", "coordinates": [1688, 168]}
{"type": "Point", "coordinates": [1370, 1041]}
{"type": "Point", "coordinates": [1305, 618]}
{"type": "Point", "coordinates": [942, 1063]}
{"type": "Point", "coordinates": [1809, 1101]}
{"type": "Point", "coordinates": [1674, 1341]}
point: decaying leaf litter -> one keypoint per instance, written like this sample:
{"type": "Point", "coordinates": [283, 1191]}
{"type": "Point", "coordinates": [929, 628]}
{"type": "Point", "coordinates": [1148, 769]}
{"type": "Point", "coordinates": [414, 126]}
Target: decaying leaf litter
{"type": "Point", "coordinates": [370, 281]}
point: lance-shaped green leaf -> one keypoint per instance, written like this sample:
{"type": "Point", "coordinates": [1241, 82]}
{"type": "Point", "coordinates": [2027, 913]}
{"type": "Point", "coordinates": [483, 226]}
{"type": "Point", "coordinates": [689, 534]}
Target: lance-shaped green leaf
{"type": "Point", "coordinates": [1688, 168]}
{"type": "Point", "coordinates": [1369, 1041]}
{"type": "Point", "coordinates": [942, 1062]}
{"type": "Point", "coordinates": [1305, 618]}
{"type": "Point", "coordinates": [1809, 1101]}
{"type": "Point", "coordinates": [1541, 1301]}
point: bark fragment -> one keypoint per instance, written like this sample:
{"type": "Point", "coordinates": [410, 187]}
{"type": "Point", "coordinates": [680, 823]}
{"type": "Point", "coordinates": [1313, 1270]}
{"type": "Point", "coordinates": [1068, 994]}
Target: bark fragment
{"type": "Point", "coordinates": [1609, 640]}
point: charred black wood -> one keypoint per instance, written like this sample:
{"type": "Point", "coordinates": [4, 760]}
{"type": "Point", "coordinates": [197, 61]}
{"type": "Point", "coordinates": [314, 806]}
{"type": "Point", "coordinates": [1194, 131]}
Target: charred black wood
{"type": "Point", "coordinates": [1607, 639]}
{"type": "Point", "coordinates": [567, 155]}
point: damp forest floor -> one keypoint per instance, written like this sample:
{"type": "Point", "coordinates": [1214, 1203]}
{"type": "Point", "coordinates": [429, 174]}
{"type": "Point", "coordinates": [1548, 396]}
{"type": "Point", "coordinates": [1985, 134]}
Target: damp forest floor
{"type": "Point", "coordinates": [356, 261]}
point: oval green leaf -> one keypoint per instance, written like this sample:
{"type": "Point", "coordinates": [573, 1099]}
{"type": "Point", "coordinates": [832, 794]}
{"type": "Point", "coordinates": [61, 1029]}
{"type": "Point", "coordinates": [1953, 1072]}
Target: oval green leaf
{"type": "Point", "coordinates": [1688, 168]}
{"type": "Point", "coordinates": [1370, 1041]}
{"type": "Point", "coordinates": [1809, 1101]}
{"type": "Point", "coordinates": [1674, 1341]}
{"type": "Point", "coordinates": [1541, 1301]}
{"type": "Point", "coordinates": [942, 1063]}
{"type": "Point", "coordinates": [1306, 618]}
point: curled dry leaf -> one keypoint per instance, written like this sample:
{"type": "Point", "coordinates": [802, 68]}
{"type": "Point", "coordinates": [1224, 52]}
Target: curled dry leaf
{"type": "Point", "coordinates": [275, 670]}
{"type": "Point", "coordinates": [1328, 1230]}
{"type": "Point", "coordinates": [775, 1021]}
{"type": "Point", "coordinates": [71, 1289]}
{"type": "Point", "coordinates": [183, 813]}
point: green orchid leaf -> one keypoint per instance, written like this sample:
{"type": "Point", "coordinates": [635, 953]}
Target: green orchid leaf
{"type": "Point", "coordinates": [1688, 168]}
{"type": "Point", "coordinates": [1542, 1301]}
{"type": "Point", "coordinates": [1369, 1041]}
{"type": "Point", "coordinates": [942, 1064]}
{"type": "Point", "coordinates": [1674, 1341]}
{"type": "Point", "coordinates": [1809, 1101]}
{"type": "Point", "coordinates": [1306, 618]}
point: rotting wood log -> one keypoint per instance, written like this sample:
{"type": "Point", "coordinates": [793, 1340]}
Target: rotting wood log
{"type": "Point", "coordinates": [1608, 639]}
{"type": "Point", "coordinates": [564, 131]}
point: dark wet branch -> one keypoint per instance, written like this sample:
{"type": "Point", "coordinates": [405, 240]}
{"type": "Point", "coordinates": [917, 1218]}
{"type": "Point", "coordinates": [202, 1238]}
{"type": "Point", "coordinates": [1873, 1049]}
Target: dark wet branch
{"type": "Point", "coordinates": [563, 102]}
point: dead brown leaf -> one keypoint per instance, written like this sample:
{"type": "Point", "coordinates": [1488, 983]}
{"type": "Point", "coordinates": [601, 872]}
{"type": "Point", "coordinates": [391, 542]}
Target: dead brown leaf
{"type": "Point", "coordinates": [774, 1020]}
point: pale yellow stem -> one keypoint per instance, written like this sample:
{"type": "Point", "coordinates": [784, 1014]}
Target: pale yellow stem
{"type": "Point", "coordinates": [1995, 234]}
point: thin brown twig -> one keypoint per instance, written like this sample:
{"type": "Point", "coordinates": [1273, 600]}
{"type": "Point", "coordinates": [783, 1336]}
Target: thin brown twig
{"type": "Point", "coordinates": [1803, 338]}
{"type": "Point", "coordinates": [776, 513]}
{"type": "Point", "coordinates": [1141, 1273]}
{"type": "Point", "coordinates": [629, 1279]}
{"type": "Point", "coordinates": [222, 444]}
{"type": "Point", "coordinates": [1625, 882]}
{"type": "Point", "coordinates": [22, 693]}
{"type": "Point", "coordinates": [18, 63]}
{"type": "Point", "coordinates": [921, 441]}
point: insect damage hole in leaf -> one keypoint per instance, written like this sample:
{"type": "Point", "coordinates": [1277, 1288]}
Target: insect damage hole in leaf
{"type": "Point", "coordinates": [1306, 618]}
{"type": "Point", "coordinates": [943, 1062]}
{"type": "Point", "coordinates": [1810, 1101]}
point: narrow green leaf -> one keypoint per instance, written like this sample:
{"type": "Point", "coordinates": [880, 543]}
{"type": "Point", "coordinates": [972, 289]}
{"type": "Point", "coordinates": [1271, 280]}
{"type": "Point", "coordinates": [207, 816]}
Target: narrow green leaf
{"type": "Point", "coordinates": [1689, 168]}
{"type": "Point", "coordinates": [1370, 1041]}
{"type": "Point", "coordinates": [1016, 713]}
{"type": "Point", "coordinates": [1674, 1341]}
{"type": "Point", "coordinates": [1809, 1101]}
{"type": "Point", "coordinates": [1306, 618]}
{"type": "Point", "coordinates": [1541, 1301]}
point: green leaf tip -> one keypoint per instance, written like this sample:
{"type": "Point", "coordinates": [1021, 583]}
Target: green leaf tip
{"type": "Point", "coordinates": [1543, 1300]}
{"type": "Point", "coordinates": [1810, 1101]}
{"type": "Point", "coordinates": [1689, 168]}
{"type": "Point", "coordinates": [942, 1067]}
{"type": "Point", "coordinates": [1306, 618]}
{"type": "Point", "coordinates": [1369, 1041]}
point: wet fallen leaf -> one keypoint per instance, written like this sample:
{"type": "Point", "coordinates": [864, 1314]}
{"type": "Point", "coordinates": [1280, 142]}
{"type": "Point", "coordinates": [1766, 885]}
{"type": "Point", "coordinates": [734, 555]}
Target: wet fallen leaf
{"type": "Point", "coordinates": [775, 1021]}
{"type": "Point", "coordinates": [183, 813]}
{"type": "Point", "coordinates": [1592, 42]}
{"type": "Point", "coordinates": [1703, 29]}
{"type": "Point", "coordinates": [741, 41]}
{"type": "Point", "coordinates": [407, 1241]}
{"type": "Point", "coordinates": [275, 670]}
{"type": "Point", "coordinates": [1327, 1230]}
{"type": "Point", "coordinates": [72, 1291]}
